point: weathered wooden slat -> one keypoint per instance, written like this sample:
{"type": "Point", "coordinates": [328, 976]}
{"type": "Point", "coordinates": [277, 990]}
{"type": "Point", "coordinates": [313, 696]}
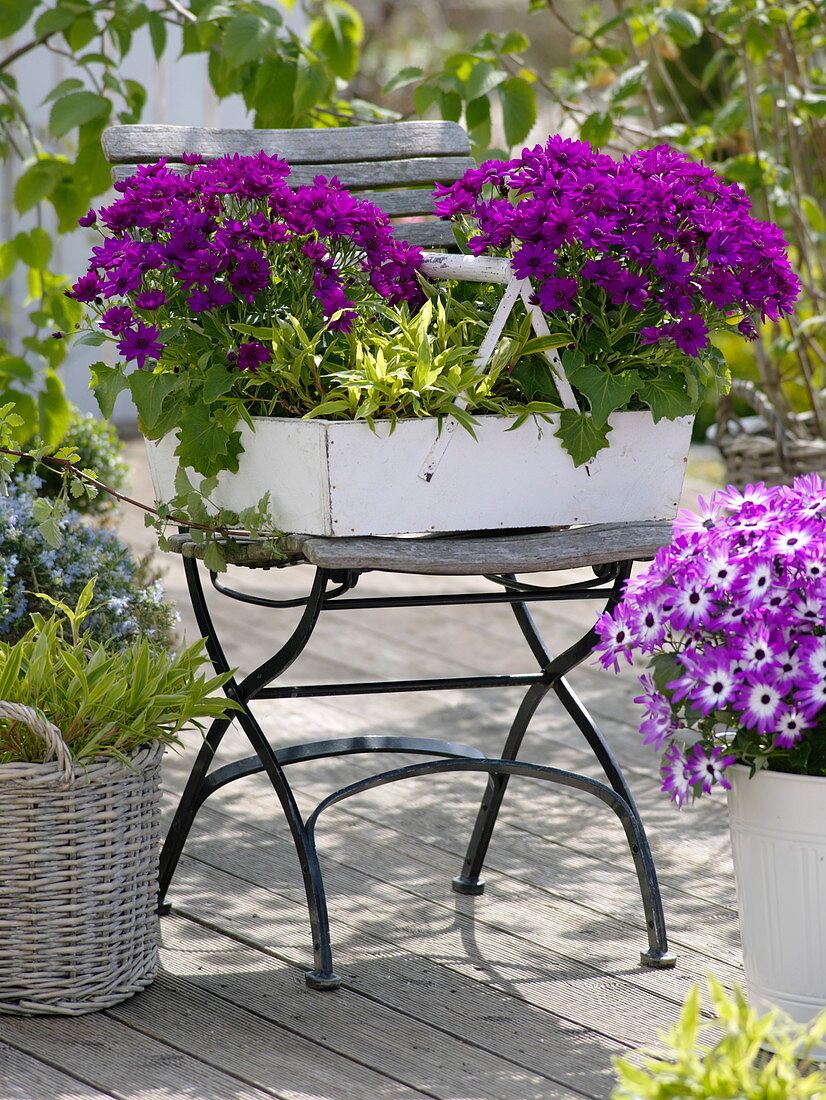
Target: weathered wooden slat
{"type": "Point", "coordinates": [519, 553]}
{"type": "Point", "coordinates": [120, 1060]}
{"type": "Point", "coordinates": [255, 1046]}
{"type": "Point", "coordinates": [425, 234]}
{"type": "Point", "coordinates": [386, 141]}
{"type": "Point", "coordinates": [534, 1043]}
{"type": "Point", "coordinates": [22, 1077]}
{"type": "Point", "coordinates": [534, 552]}
{"type": "Point", "coordinates": [363, 174]}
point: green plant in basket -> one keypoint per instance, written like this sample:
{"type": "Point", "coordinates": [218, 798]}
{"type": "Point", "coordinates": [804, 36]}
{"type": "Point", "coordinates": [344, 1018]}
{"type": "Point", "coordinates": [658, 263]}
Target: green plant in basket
{"type": "Point", "coordinates": [724, 1056]}
{"type": "Point", "coordinates": [106, 701]}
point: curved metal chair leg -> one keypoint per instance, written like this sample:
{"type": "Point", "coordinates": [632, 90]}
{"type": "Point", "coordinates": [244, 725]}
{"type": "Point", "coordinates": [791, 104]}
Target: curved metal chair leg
{"type": "Point", "coordinates": [469, 882]}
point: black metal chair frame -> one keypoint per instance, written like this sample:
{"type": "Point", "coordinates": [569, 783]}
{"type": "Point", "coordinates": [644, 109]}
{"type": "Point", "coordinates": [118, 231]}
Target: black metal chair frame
{"type": "Point", "coordinates": [330, 591]}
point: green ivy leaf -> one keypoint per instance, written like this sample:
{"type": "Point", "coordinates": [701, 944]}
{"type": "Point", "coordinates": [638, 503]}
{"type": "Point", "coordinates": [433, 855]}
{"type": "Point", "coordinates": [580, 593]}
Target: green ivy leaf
{"type": "Point", "coordinates": [518, 99]}
{"type": "Point", "coordinates": [605, 392]}
{"type": "Point", "coordinates": [219, 379]}
{"type": "Point", "coordinates": [150, 393]}
{"type": "Point", "coordinates": [581, 436]}
{"type": "Point", "coordinates": [667, 398]}
{"type": "Point", "coordinates": [107, 382]}
{"type": "Point", "coordinates": [76, 108]}
{"type": "Point", "coordinates": [205, 444]}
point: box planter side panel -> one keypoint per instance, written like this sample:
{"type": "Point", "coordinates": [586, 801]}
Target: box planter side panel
{"type": "Point", "coordinates": [344, 478]}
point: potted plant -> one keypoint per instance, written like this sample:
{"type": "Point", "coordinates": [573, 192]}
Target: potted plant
{"type": "Point", "coordinates": [242, 307]}
{"type": "Point", "coordinates": [731, 619]}
{"type": "Point", "coordinates": [83, 726]}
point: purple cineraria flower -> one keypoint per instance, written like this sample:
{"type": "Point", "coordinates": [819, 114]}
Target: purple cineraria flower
{"type": "Point", "coordinates": [210, 296]}
{"type": "Point", "coordinates": [117, 319]}
{"type": "Point", "coordinates": [741, 604]}
{"type": "Point", "coordinates": [678, 775]}
{"type": "Point", "coordinates": [140, 343]}
{"type": "Point", "coordinates": [251, 355]}
{"type": "Point", "coordinates": [556, 293]}
{"type": "Point", "coordinates": [709, 767]}
{"type": "Point", "coordinates": [150, 300]}
{"type": "Point", "coordinates": [87, 288]}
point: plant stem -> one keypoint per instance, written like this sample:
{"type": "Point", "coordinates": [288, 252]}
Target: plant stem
{"type": "Point", "coordinates": [70, 467]}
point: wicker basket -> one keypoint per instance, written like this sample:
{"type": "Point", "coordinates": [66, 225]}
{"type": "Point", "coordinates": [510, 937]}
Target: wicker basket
{"type": "Point", "coordinates": [78, 877]}
{"type": "Point", "coordinates": [776, 451]}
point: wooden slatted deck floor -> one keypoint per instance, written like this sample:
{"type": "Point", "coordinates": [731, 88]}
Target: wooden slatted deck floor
{"type": "Point", "coordinates": [526, 993]}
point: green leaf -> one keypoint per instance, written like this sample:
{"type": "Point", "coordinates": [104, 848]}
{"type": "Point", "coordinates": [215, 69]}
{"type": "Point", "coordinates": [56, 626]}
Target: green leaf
{"type": "Point", "coordinates": [312, 84]}
{"type": "Point", "coordinates": [13, 366]}
{"type": "Point", "coordinates": [484, 77]}
{"type": "Point", "coordinates": [597, 128]}
{"type": "Point", "coordinates": [107, 382]}
{"type": "Point", "coordinates": [405, 76]}
{"type": "Point", "coordinates": [273, 112]}
{"type": "Point", "coordinates": [14, 14]}
{"type": "Point", "coordinates": [337, 34]}
{"type": "Point", "coordinates": [37, 182]}
{"type": "Point", "coordinates": [8, 258]}
{"type": "Point", "coordinates": [34, 248]}
{"type": "Point", "coordinates": [219, 379]}
{"type": "Point", "coordinates": [150, 392]}
{"type": "Point", "coordinates": [157, 33]}
{"type": "Point", "coordinates": [205, 443]}
{"type": "Point", "coordinates": [581, 436]}
{"type": "Point", "coordinates": [26, 408]}
{"type": "Point", "coordinates": [667, 398]}
{"type": "Point", "coordinates": [683, 26]}
{"type": "Point", "coordinates": [54, 411]}
{"type": "Point", "coordinates": [214, 558]}
{"type": "Point", "coordinates": [605, 392]}
{"type": "Point", "coordinates": [535, 378]}
{"type": "Point", "coordinates": [514, 42]}
{"type": "Point", "coordinates": [71, 84]}
{"type": "Point", "coordinates": [76, 108]}
{"type": "Point", "coordinates": [813, 213]}
{"type": "Point", "coordinates": [80, 33]}
{"type": "Point", "coordinates": [629, 83]}
{"type": "Point", "coordinates": [247, 38]}
{"type": "Point", "coordinates": [50, 531]}
{"type": "Point", "coordinates": [518, 99]}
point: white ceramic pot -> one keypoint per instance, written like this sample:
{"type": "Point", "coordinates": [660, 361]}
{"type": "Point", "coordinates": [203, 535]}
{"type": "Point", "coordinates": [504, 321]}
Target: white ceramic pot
{"type": "Point", "coordinates": [343, 478]}
{"type": "Point", "coordinates": [778, 831]}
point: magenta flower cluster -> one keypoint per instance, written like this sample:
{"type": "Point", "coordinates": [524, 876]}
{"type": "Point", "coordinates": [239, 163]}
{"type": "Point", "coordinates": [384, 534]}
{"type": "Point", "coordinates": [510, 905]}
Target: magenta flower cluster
{"type": "Point", "coordinates": [653, 235]}
{"type": "Point", "coordinates": [233, 239]}
{"type": "Point", "coordinates": [732, 616]}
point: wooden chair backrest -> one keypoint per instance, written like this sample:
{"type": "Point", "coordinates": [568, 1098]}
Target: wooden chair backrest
{"type": "Point", "coordinates": [394, 165]}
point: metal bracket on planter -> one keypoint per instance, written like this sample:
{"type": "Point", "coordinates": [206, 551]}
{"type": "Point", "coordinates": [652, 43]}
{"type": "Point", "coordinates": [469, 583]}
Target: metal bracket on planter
{"type": "Point", "coordinates": [490, 269]}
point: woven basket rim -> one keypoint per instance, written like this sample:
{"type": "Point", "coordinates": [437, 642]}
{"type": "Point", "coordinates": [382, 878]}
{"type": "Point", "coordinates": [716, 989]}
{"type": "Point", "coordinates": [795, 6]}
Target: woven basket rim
{"type": "Point", "coordinates": [97, 770]}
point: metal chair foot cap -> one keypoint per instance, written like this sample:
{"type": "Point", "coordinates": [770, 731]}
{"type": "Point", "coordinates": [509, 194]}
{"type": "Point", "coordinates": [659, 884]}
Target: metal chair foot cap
{"type": "Point", "coordinates": [474, 886]}
{"type": "Point", "coordinates": [164, 908]}
{"type": "Point", "coordinates": [316, 980]}
{"type": "Point", "coordinates": [658, 960]}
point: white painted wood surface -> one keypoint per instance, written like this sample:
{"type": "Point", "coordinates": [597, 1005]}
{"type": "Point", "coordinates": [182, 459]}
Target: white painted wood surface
{"type": "Point", "coordinates": [343, 478]}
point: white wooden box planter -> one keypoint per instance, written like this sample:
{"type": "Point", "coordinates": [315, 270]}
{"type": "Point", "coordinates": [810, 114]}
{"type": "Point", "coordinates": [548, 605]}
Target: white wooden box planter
{"type": "Point", "coordinates": [344, 478]}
